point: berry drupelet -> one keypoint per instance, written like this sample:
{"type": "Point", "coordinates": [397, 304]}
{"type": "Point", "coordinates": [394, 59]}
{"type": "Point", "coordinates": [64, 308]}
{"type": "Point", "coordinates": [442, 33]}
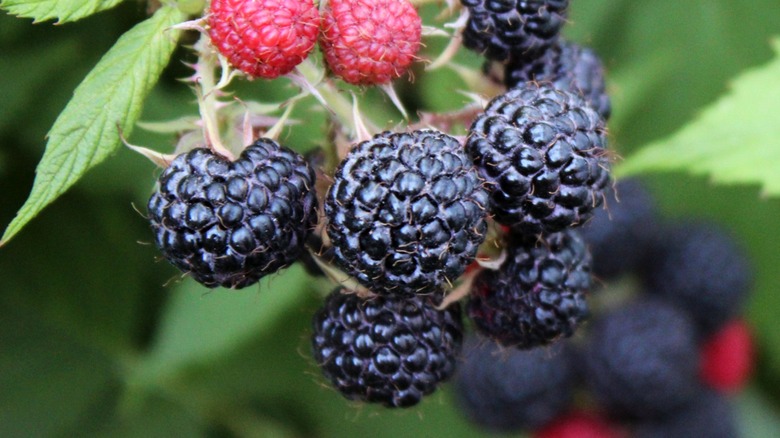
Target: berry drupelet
{"type": "Point", "coordinates": [231, 223]}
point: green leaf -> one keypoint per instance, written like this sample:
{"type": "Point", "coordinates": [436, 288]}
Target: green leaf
{"type": "Point", "coordinates": [60, 10]}
{"type": "Point", "coordinates": [707, 44]}
{"type": "Point", "coordinates": [110, 96]}
{"type": "Point", "coordinates": [733, 140]}
{"type": "Point", "coordinates": [277, 376]}
{"type": "Point", "coordinates": [201, 325]}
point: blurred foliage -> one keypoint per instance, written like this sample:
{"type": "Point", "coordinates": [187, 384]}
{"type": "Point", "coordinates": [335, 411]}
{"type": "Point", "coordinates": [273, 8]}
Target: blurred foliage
{"type": "Point", "coordinates": [100, 338]}
{"type": "Point", "coordinates": [732, 141]}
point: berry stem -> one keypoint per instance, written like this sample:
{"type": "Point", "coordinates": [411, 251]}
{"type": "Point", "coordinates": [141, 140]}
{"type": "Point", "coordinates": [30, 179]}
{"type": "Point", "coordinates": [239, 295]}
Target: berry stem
{"type": "Point", "coordinates": [446, 122]}
{"type": "Point", "coordinates": [419, 3]}
{"type": "Point", "coordinates": [339, 277]}
{"type": "Point", "coordinates": [205, 88]}
{"type": "Point", "coordinates": [340, 107]}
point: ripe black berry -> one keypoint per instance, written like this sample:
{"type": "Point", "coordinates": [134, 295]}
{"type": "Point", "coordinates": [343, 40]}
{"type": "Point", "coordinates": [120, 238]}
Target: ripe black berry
{"type": "Point", "coordinates": [538, 293]}
{"type": "Point", "coordinates": [566, 66]}
{"type": "Point", "coordinates": [621, 236]}
{"type": "Point", "coordinates": [641, 359]}
{"type": "Point", "coordinates": [388, 350]}
{"type": "Point", "coordinates": [700, 267]}
{"type": "Point", "coordinates": [406, 212]}
{"type": "Point", "coordinates": [500, 29]}
{"type": "Point", "coordinates": [542, 151]}
{"type": "Point", "coordinates": [508, 390]}
{"type": "Point", "coordinates": [230, 223]}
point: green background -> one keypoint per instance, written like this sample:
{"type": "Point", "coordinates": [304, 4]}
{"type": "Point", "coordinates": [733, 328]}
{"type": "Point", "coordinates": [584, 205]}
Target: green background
{"type": "Point", "coordinates": [98, 336]}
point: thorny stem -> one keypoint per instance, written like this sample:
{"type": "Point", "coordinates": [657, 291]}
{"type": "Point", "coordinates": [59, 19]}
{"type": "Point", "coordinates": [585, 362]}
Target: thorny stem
{"type": "Point", "coordinates": [340, 278]}
{"type": "Point", "coordinates": [205, 86]}
{"type": "Point", "coordinates": [446, 121]}
{"type": "Point", "coordinates": [419, 3]}
{"type": "Point", "coordinates": [459, 292]}
{"type": "Point", "coordinates": [337, 102]}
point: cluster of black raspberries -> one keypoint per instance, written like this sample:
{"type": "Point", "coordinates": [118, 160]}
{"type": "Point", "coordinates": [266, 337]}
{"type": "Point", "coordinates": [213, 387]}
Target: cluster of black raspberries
{"type": "Point", "coordinates": [406, 213]}
{"type": "Point", "coordinates": [664, 352]}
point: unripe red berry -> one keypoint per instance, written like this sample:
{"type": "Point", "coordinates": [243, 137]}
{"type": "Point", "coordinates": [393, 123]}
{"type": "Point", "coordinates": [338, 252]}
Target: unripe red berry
{"type": "Point", "coordinates": [370, 42]}
{"type": "Point", "coordinates": [728, 357]}
{"type": "Point", "coordinates": [264, 38]}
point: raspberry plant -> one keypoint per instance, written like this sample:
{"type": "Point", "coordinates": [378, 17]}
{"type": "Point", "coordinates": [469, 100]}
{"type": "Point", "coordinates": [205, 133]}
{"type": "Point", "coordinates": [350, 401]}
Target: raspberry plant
{"type": "Point", "coordinates": [309, 106]}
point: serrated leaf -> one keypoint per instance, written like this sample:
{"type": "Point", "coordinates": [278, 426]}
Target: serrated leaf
{"type": "Point", "coordinates": [111, 96]}
{"type": "Point", "coordinates": [733, 141]}
{"type": "Point", "coordinates": [61, 10]}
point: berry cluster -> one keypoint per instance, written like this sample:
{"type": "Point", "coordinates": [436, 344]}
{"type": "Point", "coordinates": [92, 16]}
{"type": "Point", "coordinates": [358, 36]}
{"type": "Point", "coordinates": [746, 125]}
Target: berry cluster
{"type": "Point", "coordinates": [661, 361]}
{"type": "Point", "coordinates": [541, 149]}
{"type": "Point", "coordinates": [397, 218]}
{"type": "Point", "coordinates": [504, 390]}
{"type": "Point", "coordinates": [404, 214]}
{"type": "Point", "coordinates": [568, 66]}
{"type": "Point", "coordinates": [407, 212]}
{"type": "Point", "coordinates": [264, 38]}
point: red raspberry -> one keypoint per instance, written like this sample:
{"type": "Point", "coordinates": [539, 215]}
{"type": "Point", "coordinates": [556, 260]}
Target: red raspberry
{"type": "Point", "coordinates": [264, 38]}
{"type": "Point", "coordinates": [728, 357]}
{"type": "Point", "coordinates": [580, 425]}
{"type": "Point", "coordinates": [369, 42]}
